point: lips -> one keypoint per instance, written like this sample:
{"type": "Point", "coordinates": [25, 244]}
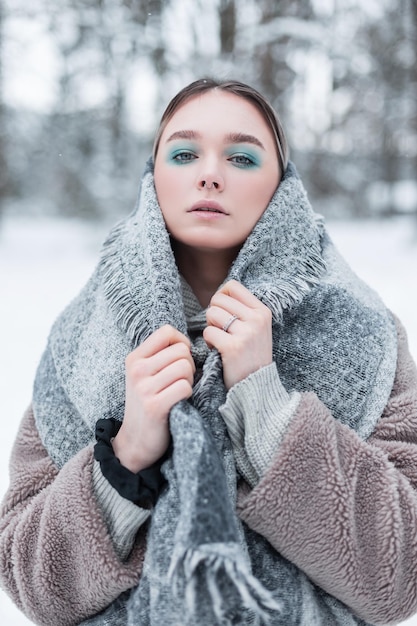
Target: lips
{"type": "Point", "coordinates": [208, 206]}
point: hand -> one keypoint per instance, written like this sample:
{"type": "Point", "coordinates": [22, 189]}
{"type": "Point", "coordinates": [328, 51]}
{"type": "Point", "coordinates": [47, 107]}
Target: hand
{"type": "Point", "coordinates": [247, 344]}
{"type": "Point", "coordinates": [159, 373]}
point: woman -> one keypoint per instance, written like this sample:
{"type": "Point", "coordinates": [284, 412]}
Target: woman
{"type": "Point", "coordinates": [254, 406]}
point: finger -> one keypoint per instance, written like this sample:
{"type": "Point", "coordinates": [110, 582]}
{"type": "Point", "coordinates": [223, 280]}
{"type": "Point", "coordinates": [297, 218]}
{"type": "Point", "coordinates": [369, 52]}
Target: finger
{"type": "Point", "coordinates": [179, 370]}
{"type": "Point", "coordinates": [241, 307]}
{"type": "Point", "coordinates": [216, 338]}
{"type": "Point", "coordinates": [140, 369]}
{"type": "Point", "coordinates": [179, 390]}
{"type": "Point", "coordinates": [238, 292]}
{"type": "Point", "coordinates": [163, 337]}
{"type": "Point", "coordinates": [228, 305]}
{"type": "Point", "coordinates": [168, 356]}
{"type": "Point", "coordinates": [223, 319]}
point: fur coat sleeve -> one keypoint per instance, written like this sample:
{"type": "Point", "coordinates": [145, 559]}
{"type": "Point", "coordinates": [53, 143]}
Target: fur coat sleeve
{"type": "Point", "coordinates": [57, 560]}
{"type": "Point", "coordinates": [344, 510]}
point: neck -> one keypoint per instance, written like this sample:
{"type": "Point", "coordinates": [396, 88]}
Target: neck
{"type": "Point", "coordinates": [204, 270]}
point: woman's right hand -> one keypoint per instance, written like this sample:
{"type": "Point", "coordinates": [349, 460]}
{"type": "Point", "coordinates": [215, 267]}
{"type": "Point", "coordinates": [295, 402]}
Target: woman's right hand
{"type": "Point", "coordinates": [159, 373]}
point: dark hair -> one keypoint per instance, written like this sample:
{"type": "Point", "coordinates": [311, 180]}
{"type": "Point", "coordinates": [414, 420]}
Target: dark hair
{"type": "Point", "coordinates": [237, 88]}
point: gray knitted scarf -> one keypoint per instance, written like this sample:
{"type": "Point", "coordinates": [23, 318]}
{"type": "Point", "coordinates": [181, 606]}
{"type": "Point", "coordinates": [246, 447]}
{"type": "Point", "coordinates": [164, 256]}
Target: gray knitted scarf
{"type": "Point", "coordinates": [202, 565]}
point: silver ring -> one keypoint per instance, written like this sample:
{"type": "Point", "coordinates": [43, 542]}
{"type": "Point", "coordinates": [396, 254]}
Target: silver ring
{"type": "Point", "coordinates": [229, 323]}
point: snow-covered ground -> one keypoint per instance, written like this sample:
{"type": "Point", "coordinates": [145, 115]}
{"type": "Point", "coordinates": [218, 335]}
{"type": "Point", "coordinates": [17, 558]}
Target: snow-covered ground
{"type": "Point", "coordinates": [43, 264]}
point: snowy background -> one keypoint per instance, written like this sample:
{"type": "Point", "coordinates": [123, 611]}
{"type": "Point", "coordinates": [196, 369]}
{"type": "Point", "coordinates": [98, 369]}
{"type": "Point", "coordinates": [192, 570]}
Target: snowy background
{"type": "Point", "coordinates": [44, 262]}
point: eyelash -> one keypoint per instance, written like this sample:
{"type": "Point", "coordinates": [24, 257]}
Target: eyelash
{"type": "Point", "coordinates": [177, 157]}
{"type": "Point", "coordinates": [242, 161]}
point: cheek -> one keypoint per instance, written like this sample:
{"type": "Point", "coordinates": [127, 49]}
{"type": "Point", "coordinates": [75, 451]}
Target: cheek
{"type": "Point", "coordinates": [265, 188]}
{"type": "Point", "coordinates": [164, 187]}
{"type": "Point", "coordinates": [169, 185]}
{"type": "Point", "coordinates": [255, 199]}
{"type": "Point", "coordinates": [161, 180]}
{"type": "Point", "coordinates": [169, 194]}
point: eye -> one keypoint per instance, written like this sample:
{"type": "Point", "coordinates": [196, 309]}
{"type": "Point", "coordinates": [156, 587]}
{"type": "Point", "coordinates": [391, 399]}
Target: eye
{"type": "Point", "coordinates": [242, 160]}
{"type": "Point", "coordinates": [183, 156]}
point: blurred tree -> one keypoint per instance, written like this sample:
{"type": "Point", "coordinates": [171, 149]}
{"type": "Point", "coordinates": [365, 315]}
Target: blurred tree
{"type": "Point", "coordinates": [356, 156]}
{"type": "Point", "coordinates": [392, 61]}
{"type": "Point", "coordinates": [6, 186]}
{"type": "Point", "coordinates": [227, 19]}
{"type": "Point", "coordinates": [85, 150]}
{"type": "Point", "coordinates": [411, 97]}
{"type": "Point", "coordinates": [99, 43]}
{"type": "Point", "coordinates": [341, 74]}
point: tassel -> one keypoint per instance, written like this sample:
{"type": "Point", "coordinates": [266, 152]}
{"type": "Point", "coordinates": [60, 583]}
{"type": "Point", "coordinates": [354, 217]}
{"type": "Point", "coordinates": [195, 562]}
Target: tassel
{"type": "Point", "coordinates": [223, 570]}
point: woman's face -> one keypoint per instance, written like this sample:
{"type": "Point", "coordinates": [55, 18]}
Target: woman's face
{"type": "Point", "coordinates": [215, 171]}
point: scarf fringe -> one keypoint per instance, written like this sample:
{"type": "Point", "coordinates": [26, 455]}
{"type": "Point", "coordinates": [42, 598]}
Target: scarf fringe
{"type": "Point", "coordinates": [286, 295]}
{"type": "Point", "coordinates": [133, 319]}
{"type": "Point", "coordinates": [212, 373]}
{"type": "Point", "coordinates": [222, 571]}
{"type": "Point", "coordinates": [288, 290]}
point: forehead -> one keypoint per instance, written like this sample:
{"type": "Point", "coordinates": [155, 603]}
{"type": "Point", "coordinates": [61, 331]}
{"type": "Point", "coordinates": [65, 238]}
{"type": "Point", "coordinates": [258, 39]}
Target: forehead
{"type": "Point", "coordinates": [219, 113]}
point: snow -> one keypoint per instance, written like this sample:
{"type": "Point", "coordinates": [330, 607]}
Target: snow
{"type": "Point", "coordinates": [44, 263]}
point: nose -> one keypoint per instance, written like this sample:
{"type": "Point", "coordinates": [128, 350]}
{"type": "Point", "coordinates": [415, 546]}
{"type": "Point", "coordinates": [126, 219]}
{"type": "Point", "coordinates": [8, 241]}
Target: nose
{"type": "Point", "coordinates": [210, 178]}
{"type": "Point", "coordinates": [207, 184]}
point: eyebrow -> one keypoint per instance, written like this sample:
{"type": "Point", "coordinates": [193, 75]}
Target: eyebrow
{"type": "Point", "coordinates": [230, 137]}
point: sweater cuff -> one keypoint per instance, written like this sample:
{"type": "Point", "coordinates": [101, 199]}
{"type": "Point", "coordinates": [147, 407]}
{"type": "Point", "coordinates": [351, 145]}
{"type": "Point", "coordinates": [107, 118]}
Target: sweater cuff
{"type": "Point", "coordinates": [123, 518]}
{"type": "Point", "coordinates": [257, 413]}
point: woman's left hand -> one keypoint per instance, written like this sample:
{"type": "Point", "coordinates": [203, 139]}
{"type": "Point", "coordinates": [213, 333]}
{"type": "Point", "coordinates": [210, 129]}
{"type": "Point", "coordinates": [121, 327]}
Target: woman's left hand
{"type": "Point", "coordinates": [246, 345]}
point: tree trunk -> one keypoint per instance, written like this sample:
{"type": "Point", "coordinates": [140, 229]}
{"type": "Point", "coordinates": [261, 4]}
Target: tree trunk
{"type": "Point", "coordinates": [227, 14]}
{"type": "Point", "coordinates": [5, 178]}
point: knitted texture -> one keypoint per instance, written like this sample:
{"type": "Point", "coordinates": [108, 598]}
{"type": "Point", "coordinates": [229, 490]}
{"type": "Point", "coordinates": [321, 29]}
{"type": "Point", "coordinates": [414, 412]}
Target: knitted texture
{"type": "Point", "coordinates": [331, 335]}
{"type": "Point", "coordinates": [257, 412]}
